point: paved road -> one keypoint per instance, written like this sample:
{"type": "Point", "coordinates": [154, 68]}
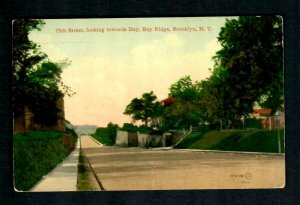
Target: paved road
{"type": "Point", "coordinates": [145, 169]}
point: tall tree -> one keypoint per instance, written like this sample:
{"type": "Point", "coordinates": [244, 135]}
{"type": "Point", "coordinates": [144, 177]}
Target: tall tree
{"type": "Point", "coordinates": [215, 102]}
{"type": "Point", "coordinates": [145, 109]}
{"type": "Point", "coordinates": [186, 110]}
{"type": "Point", "coordinates": [184, 88]}
{"type": "Point", "coordinates": [25, 55]}
{"type": "Point", "coordinates": [43, 90]}
{"type": "Point", "coordinates": [36, 80]}
{"type": "Point", "coordinates": [249, 67]}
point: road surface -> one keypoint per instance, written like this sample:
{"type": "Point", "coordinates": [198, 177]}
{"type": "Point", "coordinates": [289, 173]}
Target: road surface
{"type": "Point", "coordinates": [145, 169]}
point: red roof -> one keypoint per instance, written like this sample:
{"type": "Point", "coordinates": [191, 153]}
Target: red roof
{"type": "Point", "coordinates": [168, 101]}
{"type": "Point", "coordinates": [263, 111]}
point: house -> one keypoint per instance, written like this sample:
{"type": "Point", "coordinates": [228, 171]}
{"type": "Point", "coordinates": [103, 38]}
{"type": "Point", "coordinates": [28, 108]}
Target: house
{"type": "Point", "coordinates": [268, 120]}
{"type": "Point", "coordinates": [261, 113]}
{"type": "Point", "coordinates": [168, 101]}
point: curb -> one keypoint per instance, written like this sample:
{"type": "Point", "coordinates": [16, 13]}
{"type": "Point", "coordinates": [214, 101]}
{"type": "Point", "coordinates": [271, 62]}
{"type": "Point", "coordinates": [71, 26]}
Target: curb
{"type": "Point", "coordinates": [182, 138]}
{"type": "Point", "coordinates": [217, 151]}
{"type": "Point", "coordinates": [232, 152]}
{"type": "Point", "coordinates": [90, 166]}
{"type": "Point", "coordinates": [213, 151]}
{"type": "Point", "coordinates": [222, 151]}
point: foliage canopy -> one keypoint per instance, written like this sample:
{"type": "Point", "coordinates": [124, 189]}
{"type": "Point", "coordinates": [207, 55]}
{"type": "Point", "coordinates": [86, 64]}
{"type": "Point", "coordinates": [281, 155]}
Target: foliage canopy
{"type": "Point", "coordinates": [37, 81]}
{"type": "Point", "coordinates": [147, 109]}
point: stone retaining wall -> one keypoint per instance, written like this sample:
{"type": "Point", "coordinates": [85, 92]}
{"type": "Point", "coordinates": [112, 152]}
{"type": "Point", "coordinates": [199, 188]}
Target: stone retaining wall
{"type": "Point", "coordinates": [132, 139]}
{"type": "Point", "coordinates": [142, 139]}
{"type": "Point", "coordinates": [122, 138]}
{"type": "Point", "coordinates": [155, 141]}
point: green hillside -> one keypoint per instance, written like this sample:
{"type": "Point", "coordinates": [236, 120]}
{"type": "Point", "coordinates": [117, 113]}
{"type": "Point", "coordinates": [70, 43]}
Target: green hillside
{"type": "Point", "coordinates": [250, 141]}
{"type": "Point", "coordinates": [188, 140]}
{"type": "Point", "coordinates": [37, 153]}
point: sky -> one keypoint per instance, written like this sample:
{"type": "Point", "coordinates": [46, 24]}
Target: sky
{"type": "Point", "coordinates": [115, 60]}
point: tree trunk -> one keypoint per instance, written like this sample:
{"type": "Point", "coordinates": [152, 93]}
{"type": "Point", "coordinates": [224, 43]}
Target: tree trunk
{"type": "Point", "coordinates": [24, 121]}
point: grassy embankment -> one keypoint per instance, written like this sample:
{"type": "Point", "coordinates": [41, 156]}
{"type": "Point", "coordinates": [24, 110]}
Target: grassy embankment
{"type": "Point", "coordinates": [249, 141]}
{"type": "Point", "coordinates": [37, 153]}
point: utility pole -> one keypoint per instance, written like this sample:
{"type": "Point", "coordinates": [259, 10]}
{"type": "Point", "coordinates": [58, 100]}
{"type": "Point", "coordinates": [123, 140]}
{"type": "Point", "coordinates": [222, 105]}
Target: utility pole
{"type": "Point", "coordinates": [278, 132]}
{"type": "Point", "coordinates": [243, 121]}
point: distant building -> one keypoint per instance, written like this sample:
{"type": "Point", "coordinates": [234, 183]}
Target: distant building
{"type": "Point", "coordinates": [261, 113]}
{"type": "Point", "coordinates": [168, 101]}
{"type": "Point", "coordinates": [269, 121]}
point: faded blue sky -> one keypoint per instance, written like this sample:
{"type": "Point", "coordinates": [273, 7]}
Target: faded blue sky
{"type": "Point", "coordinates": [109, 69]}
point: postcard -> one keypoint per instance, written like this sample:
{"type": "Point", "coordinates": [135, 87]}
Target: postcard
{"type": "Point", "coordinates": [169, 103]}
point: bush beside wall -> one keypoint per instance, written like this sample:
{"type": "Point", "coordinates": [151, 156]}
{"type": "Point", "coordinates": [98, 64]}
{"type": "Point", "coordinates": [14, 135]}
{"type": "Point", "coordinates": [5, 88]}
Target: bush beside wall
{"type": "Point", "coordinates": [106, 135]}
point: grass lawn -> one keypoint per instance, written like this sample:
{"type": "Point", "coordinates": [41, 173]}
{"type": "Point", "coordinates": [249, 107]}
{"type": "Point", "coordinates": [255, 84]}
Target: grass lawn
{"type": "Point", "coordinates": [210, 139]}
{"type": "Point", "coordinates": [250, 141]}
{"type": "Point", "coordinates": [261, 141]}
{"type": "Point", "coordinates": [188, 140]}
{"type": "Point", "coordinates": [35, 135]}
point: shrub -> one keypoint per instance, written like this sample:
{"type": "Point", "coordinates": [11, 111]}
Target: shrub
{"type": "Point", "coordinates": [253, 123]}
{"type": "Point", "coordinates": [73, 136]}
{"type": "Point", "coordinates": [142, 129]}
{"type": "Point", "coordinates": [106, 135]}
{"type": "Point", "coordinates": [130, 127]}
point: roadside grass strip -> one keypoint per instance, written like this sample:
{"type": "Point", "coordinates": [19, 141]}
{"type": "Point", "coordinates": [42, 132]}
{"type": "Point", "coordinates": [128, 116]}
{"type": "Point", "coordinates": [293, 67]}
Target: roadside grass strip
{"type": "Point", "coordinates": [84, 180]}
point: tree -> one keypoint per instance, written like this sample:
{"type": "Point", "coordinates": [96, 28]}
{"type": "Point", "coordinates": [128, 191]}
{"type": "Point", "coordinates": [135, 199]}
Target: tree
{"type": "Point", "coordinates": [145, 109]}
{"type": "Point", "coordinates": [25, 55]}
{"type": "Point", "coordinates": [184, 88]}
{"type": "Point", "coordinates": [186, 110]}
{"type": "Point", "coordinates": [107, 135]}
{"type": "Point", "coordinates": [112, 132]}
{"type": "Point", "coordinates": [248, 68]}
{"type": "Point", "coordinates": [44, 89]}
{"type": "Point", "coordinates": [36, 80]}
{"type": "Point", "coordinates": [214, 100]}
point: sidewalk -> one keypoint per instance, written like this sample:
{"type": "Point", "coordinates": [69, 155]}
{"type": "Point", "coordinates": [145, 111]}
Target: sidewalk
{"type": "Point", "coordinates": [63, 177]}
